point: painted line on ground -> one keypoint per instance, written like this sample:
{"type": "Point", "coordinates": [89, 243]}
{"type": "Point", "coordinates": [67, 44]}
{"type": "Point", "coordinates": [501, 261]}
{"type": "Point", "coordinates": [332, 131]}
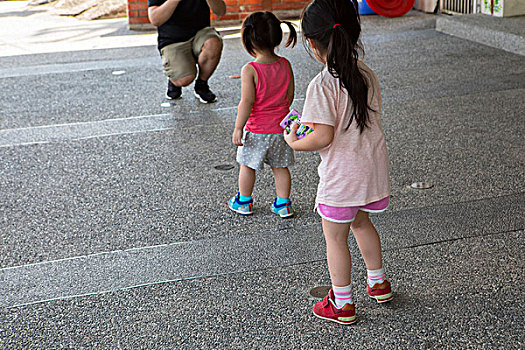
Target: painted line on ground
{"type": "Point", "coordinates": [78, 67]}
{"type": "Point", "coordinates": [123, 269]}
{"type": "Point", "coordinates": [117, 270]}
{"type": "Point", "coordinates": [44, 134]}
{"type": "Point", "coordinates": [86, 130]}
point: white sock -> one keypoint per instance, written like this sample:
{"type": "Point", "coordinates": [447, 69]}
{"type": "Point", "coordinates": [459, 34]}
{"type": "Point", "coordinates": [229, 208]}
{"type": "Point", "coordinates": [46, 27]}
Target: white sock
{"type": "Point", "coordinates": [343, 295]}
{"type": "Point", "coordinates": [375, 276]}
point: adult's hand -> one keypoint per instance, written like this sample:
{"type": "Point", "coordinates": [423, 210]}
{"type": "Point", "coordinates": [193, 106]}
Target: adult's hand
{"type": "Point", "coordinates": [217, 6]}
{"type": "Point", "coordinates": [158, 15]}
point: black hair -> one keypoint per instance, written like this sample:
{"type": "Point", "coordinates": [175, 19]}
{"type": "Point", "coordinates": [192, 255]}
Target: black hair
{"type": "Point", "coordinates": [334, 27]}
{"type": "Point", "coordinates": [262, 31]}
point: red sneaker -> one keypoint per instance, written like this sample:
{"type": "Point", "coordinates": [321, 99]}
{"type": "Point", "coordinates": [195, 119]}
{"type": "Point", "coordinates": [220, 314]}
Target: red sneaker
{"type": "Point", "coordinates": [382, 292]}
{"type": "Point", "coordinates": [327, 311]}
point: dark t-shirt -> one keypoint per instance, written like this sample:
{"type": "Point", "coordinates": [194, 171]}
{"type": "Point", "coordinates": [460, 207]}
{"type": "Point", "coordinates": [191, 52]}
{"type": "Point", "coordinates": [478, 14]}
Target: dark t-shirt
{"type": "Point", "coordinates": [189, 17]}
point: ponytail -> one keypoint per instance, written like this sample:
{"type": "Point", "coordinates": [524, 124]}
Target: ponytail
{"type": "Point", "coordinates": [342, 62]}
{"type": "Point", "coordinates": [335, 28]}
{"type": "Point", "coordinates": [292, 35]}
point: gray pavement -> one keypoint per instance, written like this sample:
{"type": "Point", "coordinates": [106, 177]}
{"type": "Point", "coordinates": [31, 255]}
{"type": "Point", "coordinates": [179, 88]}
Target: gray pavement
{"type": "Point", "coordinates": [503, 33]}
{"type": "Point", "coordinates": [114, 227]}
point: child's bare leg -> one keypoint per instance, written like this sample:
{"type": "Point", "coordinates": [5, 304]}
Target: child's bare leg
{"type": "Point", "coordinates": [337, 252]}
{"type": "Point", "coordinates": [283, 182]}
{"type": "Point", "coordinates": [368, 240]}
{"type": "Point", "coordinates": [378, 287]}
{"type": "Point", "coordinates": [246, 180]}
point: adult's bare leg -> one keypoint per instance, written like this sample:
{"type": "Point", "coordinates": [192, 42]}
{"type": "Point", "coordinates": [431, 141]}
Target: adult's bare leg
{"type": "Point", "coordinates": [209, 58]}
{"type": "Point", "coordinates": [184, 81]}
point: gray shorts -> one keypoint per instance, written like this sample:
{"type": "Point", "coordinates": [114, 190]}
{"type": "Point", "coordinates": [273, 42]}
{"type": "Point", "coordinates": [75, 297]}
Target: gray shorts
{"type": "Point", "coordinates": [258, 149]}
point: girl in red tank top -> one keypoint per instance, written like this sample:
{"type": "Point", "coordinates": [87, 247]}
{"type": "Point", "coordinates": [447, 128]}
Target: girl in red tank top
{"type": "Point", "coordinates": [267, 90]}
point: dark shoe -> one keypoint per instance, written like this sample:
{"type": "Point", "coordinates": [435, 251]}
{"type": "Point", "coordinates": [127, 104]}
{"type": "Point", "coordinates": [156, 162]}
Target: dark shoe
{"type": "Point", "coordinates": [174, 92]}
{"type": "Point", "coordinates": [203, 92]}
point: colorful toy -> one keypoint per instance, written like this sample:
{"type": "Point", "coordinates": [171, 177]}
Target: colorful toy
{"type": "Point", "coordinates": [295, 117]}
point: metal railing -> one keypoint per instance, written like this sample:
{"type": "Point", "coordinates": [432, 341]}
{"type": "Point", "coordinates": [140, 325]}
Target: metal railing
{"type": "Point", "coordinates": [458, 6]}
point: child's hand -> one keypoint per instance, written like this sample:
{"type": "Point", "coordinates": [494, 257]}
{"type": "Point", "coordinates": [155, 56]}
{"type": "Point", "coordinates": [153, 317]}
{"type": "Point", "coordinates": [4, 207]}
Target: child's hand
{"type": "Point", "coordinates": [237, 137]}
{"type": "Point", "coordinates": [291, 137]}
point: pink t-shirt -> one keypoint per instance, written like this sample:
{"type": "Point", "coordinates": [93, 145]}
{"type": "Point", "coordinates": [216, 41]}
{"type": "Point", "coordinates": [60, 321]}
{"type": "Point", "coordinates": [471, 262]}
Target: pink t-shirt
{"type": "Point", "coordinates": [354, 167]}
{"type": "Point", "coordinates": [271, 104]}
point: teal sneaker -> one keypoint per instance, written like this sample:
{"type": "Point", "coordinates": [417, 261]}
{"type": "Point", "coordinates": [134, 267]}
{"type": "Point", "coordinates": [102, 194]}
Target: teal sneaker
{"type": "Point", "coordinates": [243, 208]}
{"type": "Point", "coordinates": [284, 210]}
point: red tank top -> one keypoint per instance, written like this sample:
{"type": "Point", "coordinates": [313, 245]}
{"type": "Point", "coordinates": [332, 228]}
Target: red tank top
{"type": "Point", "coordinates": [271, 104]}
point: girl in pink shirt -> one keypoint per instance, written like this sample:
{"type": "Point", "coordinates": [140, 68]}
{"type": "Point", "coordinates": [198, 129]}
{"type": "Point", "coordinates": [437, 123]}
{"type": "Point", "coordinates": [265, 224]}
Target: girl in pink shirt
{"type": "Point", "coordinates": [267, 90]}
{"type": "Point", "coordinates": [343, 105]}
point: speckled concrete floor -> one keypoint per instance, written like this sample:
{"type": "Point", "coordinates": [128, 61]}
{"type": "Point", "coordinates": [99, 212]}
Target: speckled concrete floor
{"type": "Point", "coordinates": [92, 163]}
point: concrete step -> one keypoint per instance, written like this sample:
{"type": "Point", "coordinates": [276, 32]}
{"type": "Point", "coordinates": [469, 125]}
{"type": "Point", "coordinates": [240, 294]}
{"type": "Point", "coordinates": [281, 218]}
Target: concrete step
{"type": "Point", "coordinates": [503, 33]}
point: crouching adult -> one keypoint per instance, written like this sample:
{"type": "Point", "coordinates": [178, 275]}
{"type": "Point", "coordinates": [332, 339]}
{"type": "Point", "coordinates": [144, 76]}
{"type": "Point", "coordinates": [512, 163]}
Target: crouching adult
{"type": "Point", "coordinates": [190, 48]}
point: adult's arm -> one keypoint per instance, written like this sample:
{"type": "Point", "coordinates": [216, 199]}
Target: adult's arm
{"type": "Point", "coordinates": [217, 6]}
{"type": "Point", "coordinates": [158, 15]}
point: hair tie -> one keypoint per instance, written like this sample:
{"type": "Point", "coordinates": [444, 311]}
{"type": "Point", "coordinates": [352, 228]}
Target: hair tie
{"type": "Point", "coordinates": [335, 25]}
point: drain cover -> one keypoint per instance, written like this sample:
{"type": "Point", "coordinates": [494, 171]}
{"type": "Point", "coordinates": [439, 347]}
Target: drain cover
{"type": "Point", "coordinates": [421, 185]}
{"type": "Point", "coordinates": [319, 292]}
{"type": "Point", "coordinates": [224, 167]}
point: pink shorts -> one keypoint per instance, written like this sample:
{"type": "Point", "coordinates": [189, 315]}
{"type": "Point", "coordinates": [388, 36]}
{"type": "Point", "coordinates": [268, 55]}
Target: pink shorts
{"type": "Point", "coordinates": [347, 214]}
